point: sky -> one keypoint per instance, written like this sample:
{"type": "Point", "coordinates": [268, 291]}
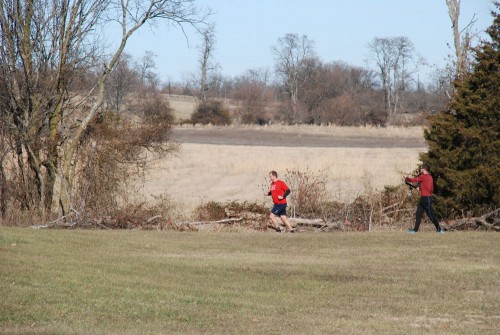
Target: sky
{"type": "Point", "coordinates": [246, 30]}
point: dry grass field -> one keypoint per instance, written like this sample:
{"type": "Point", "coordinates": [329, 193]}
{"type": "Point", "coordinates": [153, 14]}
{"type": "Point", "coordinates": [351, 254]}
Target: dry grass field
{"type": "Point", "coordinates": [182, 105]}
{"type": "Point", "coordinates": [237, 169]}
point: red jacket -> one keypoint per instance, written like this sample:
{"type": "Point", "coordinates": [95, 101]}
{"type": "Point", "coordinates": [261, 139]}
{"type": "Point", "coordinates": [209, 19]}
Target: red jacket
{"type": "Point", "coordinates": [426, 184]}
{"type": "Point", "coordinates": [278, 188]}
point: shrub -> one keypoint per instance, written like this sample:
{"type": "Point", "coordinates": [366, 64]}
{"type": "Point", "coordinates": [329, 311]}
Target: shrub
{"type": "Point", "coordinates": [308, 192]}
{"type": "Point", "coordinates": [157, 109]}
{"type": "Point", "coordinates": [159, 214]}
{"type": "Point", "coordinates": [211, 112]}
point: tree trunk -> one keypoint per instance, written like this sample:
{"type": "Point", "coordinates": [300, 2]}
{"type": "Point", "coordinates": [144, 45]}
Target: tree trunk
{"type": "Point", "coordinates": [460, 49]}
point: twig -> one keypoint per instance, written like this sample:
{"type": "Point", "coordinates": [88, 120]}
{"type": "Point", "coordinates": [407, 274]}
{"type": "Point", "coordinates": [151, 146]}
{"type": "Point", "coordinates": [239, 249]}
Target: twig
{"type": "Point", "coordinates": [51, 223]}
{"type": "Point", "coordinates": [153, 218]}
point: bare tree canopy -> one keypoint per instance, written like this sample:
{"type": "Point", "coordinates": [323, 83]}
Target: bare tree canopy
{"type": "Point", "coordinates": [207, 65]}
{"type": "Point", "coordinates": [53, 76]}
{"type": "Point", "coordinates": [291, 54]}
{"type": "Point", "coordinates": [462, 39]}
{"type": "Point", "coordinates": [396, 61]}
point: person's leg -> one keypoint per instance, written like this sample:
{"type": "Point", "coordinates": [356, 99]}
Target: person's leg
{"type": "Point", "coordinates": [286, 222]}
{"type": "Point", "coordinates": [274, 222]}
{"type": "Point", "coordinates": [428, 211]}
{"type": "Point", "coordinates": [419, 214]}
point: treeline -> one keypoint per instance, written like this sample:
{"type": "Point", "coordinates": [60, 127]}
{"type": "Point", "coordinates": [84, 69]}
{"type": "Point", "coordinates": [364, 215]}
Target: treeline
{"type": "Point", "coordinates": [333, 93]}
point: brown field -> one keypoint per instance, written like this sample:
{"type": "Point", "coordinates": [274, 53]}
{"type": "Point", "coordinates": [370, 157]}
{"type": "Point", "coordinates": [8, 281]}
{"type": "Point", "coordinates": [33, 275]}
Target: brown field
{"type": "Point", "coordinates": [232, 163]}
{"type": "Point", "coordinates": [182, 105]}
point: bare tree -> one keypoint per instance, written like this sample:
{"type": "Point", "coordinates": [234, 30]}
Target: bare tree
{"type": "Point", "coordinates": [406, 66]}
{"type": "Point", "coordinates": [291, 53]}
{"type": "Point", "coordinates": [336, 93]}
{"type": "Point", "coordinates": [49, 98]}
{"type": "Point", "coordinates": [460, 60]}
{"type": "Point", "coordinates": [462, 38]}
{"type": "Point", "coordinates": [206, 60]}
{"type": "Point", "coordinates": [120, 82]}
{"type": "Point", "coordinates": [146, 69]}
{"type": "Point", "coordinates": [462, 42]}
{"type": "Point", "coordinates": [251, 89]}
{"type": "Point", "coordinates": [395, 59]}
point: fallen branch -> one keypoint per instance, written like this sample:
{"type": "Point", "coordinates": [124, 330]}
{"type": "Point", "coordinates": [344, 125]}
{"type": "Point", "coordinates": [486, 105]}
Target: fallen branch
{"type": "Point", "coordinates": [332, 225]}
{"type": "Point", "coordinates": [478, 222]}
{"type": "Point", "coordinates": [317, 223]}
{"type": "Point", "coordinates": [308, 222]}
{"type": "Point", "coordinates": [54, 225]}
{"type": "Point", "coordinates": [382, 210]}
{"type": "Point", "coordinates": [153, 218]}
{"type": "Point", "coordinates": [198, 223]}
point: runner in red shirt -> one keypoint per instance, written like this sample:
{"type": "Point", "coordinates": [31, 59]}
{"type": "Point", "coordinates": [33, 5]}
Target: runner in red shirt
{"type": "Point", "coordinates": [426, 186]}
{"type": "Point", "coordinates": [279, 191]}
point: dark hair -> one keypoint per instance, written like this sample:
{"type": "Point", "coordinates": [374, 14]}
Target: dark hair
{"type": "Point", "coordinates": [425, 166]}
{"type": "Point", "coordinates": [274, 173]}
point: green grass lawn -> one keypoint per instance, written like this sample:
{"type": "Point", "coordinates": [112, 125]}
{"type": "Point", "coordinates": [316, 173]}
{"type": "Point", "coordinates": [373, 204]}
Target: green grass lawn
{"type": "Point", "coordinates": [148, 282]}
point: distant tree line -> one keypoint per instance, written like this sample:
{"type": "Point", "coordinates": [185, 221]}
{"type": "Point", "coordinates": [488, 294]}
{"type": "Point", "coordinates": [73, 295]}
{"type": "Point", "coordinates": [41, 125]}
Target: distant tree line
{"type": "Point", "coordinates": [304, 89]}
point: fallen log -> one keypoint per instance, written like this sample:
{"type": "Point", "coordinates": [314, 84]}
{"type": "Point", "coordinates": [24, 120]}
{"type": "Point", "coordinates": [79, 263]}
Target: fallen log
{"type": "Point", "coordinates": [204, 225]}
{"type": "Point", "coordinates": [307, 222]}
{"type": "Point", "coordinates": [199, 223]}
{"type": "Point", "coordinates": [245, 214]}
{"type": "Point", "coordinates": [320, 224]}
{"type": "Point", "coordinates": [488, 221]}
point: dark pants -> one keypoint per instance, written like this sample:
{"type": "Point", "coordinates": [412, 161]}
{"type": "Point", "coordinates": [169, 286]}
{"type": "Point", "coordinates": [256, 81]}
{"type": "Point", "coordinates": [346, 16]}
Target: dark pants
{"type": "Point", "coordinates": [424, 205]}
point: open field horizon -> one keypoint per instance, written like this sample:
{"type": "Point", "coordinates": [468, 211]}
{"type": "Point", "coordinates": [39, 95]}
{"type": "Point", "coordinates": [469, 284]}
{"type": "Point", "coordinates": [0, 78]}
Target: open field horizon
{"type": "Point", "coordinates": [202, 172]}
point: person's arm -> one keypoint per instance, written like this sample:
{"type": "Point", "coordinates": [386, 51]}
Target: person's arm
{"type": "Point", "coordinates": [287, 192]}
{"type": "Point", "coordinates": [413, 180]}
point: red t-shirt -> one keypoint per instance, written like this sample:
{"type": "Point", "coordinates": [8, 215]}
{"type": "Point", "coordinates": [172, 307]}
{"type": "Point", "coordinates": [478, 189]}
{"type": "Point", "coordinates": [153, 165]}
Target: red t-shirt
{"type": "Point", "coordinates": [426, 184]}
{"type": "Point", "coordinates": [278, 188]}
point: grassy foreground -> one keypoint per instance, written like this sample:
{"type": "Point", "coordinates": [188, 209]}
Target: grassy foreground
{"type": "Point", "coordinates": [138, 282]}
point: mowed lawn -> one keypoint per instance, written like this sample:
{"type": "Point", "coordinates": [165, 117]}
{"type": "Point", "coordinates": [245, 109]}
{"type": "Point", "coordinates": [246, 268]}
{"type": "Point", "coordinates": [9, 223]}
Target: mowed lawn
{"type": "Point", "coordinates": [154, 282]}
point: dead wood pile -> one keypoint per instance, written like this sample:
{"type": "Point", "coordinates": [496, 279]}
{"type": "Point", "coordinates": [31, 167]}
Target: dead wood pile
{"type": "Point", "coordinates": [257, 221]}
{"type": "Point", "coordinates": [488, 221]}
{"type": "Point", "coordinates": [241, 219]}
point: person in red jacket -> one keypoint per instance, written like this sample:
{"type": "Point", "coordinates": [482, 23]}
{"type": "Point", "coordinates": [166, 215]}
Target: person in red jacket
{"type": "Point", "coordinates": [426, 186]}
{"type": "Point", "coordinates": [278, 192]}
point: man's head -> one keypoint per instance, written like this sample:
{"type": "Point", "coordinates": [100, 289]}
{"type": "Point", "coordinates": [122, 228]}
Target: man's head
{"type": "Point", "coordinates": [273, 175]}
{"type": "Point", "coordinates": [424, 168]}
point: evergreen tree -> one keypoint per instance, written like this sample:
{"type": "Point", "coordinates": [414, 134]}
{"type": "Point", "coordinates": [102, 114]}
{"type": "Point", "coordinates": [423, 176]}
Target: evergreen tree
{"type": "Point", "coordinates": [464, 143]}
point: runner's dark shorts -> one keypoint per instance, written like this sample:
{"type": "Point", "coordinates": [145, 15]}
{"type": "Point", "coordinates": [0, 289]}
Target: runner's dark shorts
{"type": "Point", "coordinates": [279, 209]}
